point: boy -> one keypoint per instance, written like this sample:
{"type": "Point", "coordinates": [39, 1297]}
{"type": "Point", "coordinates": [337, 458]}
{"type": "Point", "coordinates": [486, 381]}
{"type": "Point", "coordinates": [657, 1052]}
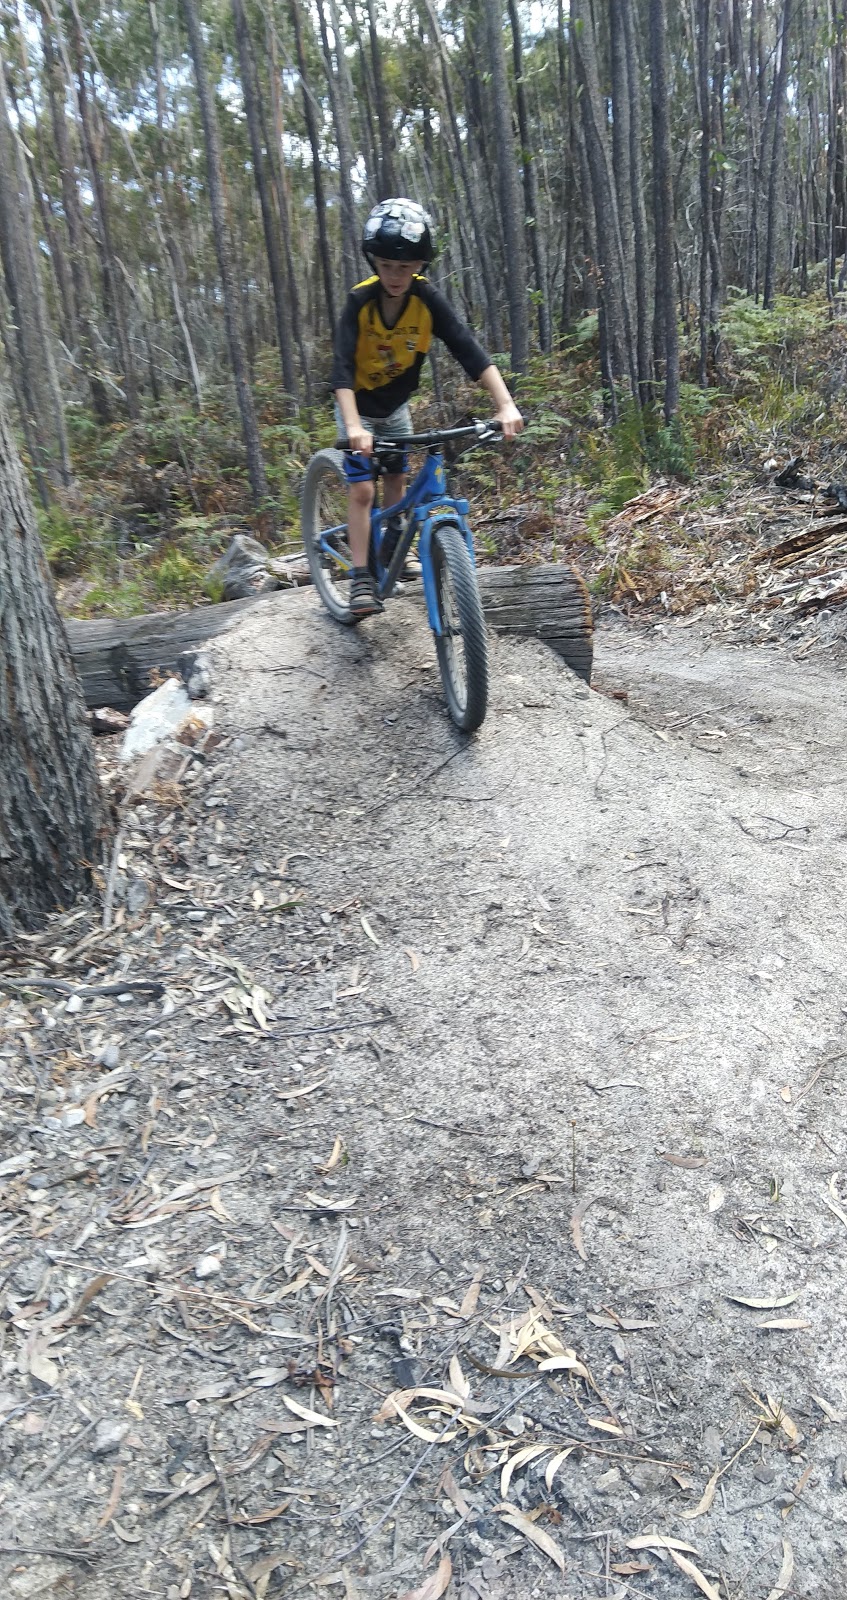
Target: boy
{"type": "Point", "coordinates": [384, 333]}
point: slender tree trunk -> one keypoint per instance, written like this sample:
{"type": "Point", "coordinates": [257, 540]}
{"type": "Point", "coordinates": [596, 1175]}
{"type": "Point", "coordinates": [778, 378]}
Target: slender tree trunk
{"type": "Point", "coordinates": [704, 107]}
{"type": "Point", "coordinates": [113, 285]}
{"type": "Point", "coordinates": [775, 175]}
{"type": "Point", "coordinates": [276, 146]}
{"type": "Point", "coordinates": [317, 167]}
{"type": "Point", "coordinates": [235, 333]}
{"type": "Point", "coordinates": [50, 812]}
{"type": "Point", "coordinates": [666, 323]}
{"type": "Point", "coordinates": [73, 221]}
{"type": "Point", "coordinates": [340, 107]}
{"type": "Point", "coordinates": [509, 191]}
{"type": "Point", "coordinates": [387, 179]}
{"type": "Point", "coordinates": [37, 384]}
{"type": "Point", "coordinates": [250, 90]}
{"type": "Point", "coordinates": [644, 331]}
{"type": "Point", "coordinates": [534, 222]}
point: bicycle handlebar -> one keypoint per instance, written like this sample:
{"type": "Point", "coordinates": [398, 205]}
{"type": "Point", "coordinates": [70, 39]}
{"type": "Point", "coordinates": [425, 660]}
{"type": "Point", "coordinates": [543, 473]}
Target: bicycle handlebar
{"type": "Point", "coordinates": [483, 431]}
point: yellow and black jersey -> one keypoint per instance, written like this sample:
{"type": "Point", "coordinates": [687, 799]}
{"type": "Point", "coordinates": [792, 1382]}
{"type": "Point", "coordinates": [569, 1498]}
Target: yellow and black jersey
{"type": "Point", "coordinates": [382, 365]}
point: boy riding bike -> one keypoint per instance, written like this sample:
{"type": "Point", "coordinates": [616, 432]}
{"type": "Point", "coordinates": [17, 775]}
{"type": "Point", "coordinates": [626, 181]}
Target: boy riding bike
{"type": "Point", "coordinates": [384, 333]}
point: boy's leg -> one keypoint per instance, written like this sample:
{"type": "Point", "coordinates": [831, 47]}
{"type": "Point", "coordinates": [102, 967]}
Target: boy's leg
{"type": "Point", "coordinates": [359, 501]}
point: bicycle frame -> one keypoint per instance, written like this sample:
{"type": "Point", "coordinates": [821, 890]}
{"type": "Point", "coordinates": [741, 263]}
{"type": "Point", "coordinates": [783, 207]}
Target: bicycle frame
{"type": "Point", "coordinates": [428, 503]}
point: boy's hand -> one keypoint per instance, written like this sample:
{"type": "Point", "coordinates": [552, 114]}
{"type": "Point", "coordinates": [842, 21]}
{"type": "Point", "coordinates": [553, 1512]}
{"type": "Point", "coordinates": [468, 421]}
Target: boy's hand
{"type": "Point", "coordinates": [509, 419]}
{"type": "Point", "coordinates": [360, 439]}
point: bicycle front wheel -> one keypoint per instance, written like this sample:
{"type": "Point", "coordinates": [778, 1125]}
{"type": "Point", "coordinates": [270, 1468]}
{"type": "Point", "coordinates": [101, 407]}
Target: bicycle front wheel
{"type": "Point", "coordinates": [323, 519]}
{"type": "Point", "coordinates": [460, 647]}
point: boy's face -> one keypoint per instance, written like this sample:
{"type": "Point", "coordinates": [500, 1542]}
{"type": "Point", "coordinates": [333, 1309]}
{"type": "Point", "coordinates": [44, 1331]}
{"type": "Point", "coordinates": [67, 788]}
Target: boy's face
{"type": "Point", "coordinates": [395, 277]}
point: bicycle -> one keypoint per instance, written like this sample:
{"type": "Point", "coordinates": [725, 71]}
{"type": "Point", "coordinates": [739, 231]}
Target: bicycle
{"type": "Point", "coordinates": [445, 549]}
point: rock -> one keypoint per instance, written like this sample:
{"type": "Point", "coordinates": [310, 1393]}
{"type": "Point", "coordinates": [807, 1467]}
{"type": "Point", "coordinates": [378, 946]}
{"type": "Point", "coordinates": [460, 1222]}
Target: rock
{"type": "Point", "coordinates": [608, 1480]}
{"type": "Point", "coordinates": [195, 669]}
{"type": "Point", "coordinates": [712, 1447]}
{"type": "Point", "coordinates": [109, 1057]}
{"type": "Point", "coordinates": [207, 1266]}
{"type": "Point", "coordinates": [158, 716]}
{"type": "Point", "coordinates": [243, 569]}
{"type": "Point", "coordinates": [108, 1436]}
{"type": "Point", "coordinates": [646, 1476]}
{"type": "Point", "coordinates": [137, 897]}
{"type": "Point", "coordinates": [105, 720]}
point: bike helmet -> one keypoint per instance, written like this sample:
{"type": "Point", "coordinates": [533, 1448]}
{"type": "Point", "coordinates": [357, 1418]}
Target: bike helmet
{"type": "Point", "coordinates": [398, 230]}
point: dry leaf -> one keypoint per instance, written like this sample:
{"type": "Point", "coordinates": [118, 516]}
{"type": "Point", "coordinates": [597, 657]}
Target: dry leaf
{"type": "Point", "coordinates": [312, 1418]}
{"type": "Point", "coordinates": [605, 1425]}
{"type": "Point", "coordinates": [414, 959]}
{"type": "Point", "coordinates": [695, 1575]}
{"type": "Point", "coordinates": [828, 1410]}
{"type": "Point", "coordinates": [458, 1381]}
{"type": "Point", "coordinates": [786, 1572]}
{"type": "Point", "coordinates": [530, 1452]}
{"type": "Point", "coordinates": [717, 1198]}
{"type": "Point", "coordinates": [40, 1365]}
{"type": "Point", "coordinates": [325, 1202]}
{"type": "Point", "coordinates": [447, 1485]}
{"type": "Point", "coordinates": [113, 1500]}
{"type": "Point", "coordinates": [764, 1302]}
{"type": "Point", "coordinates": [569, 1362]}
{"type": "Point", "coordinates": [134, 1409]}
{"type": "Point", "coordinates": [659, 1541]}
{"type": "Point", "coordinates": [542, 1541]}
{"type": "Point", "coordinates": [553, 1465]}
{"type": "Point", "coordinates": [216, 1204]}
{"type": "Point", "coordinates": [785, 1322]}
{"type": "Point", "coordinates": [689, 1162]}
{"type": "Point", "coordinates": [369, 931]}
{"type": "Point", "coordinates": [295, 1094]}
{"type": "Point", "coordinates": [418, 1430]}
{"type": "Point", "coordinates": [124, 1534]}
{"type": "Point", "coordinates": [706, 1503]}
{"type": "Point", "coordinates": [435, 1585]}
{"type": "Point", "coordinates": [469, 1303]}
{"type": "Point", "coordinates": [335, 1155]}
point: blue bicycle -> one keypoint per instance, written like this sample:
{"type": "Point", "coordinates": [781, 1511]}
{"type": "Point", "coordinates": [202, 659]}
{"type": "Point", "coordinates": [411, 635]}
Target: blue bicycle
{"type": "Point", "coordinates": [445, 548]}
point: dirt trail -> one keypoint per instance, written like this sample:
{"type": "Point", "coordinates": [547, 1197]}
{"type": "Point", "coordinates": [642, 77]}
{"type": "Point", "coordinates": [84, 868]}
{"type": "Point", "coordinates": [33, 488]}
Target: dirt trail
{"type": "Point", "coordinates": [583, 984]}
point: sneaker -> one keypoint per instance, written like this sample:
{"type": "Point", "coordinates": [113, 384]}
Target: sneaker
{"type": "Point", "coordinates": [364, 601]}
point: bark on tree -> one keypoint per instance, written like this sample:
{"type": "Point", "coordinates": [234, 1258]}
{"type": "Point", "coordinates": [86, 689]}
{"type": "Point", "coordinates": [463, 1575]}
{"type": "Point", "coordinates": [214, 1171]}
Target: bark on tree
{"type": "Point", "coordinates": [530, 186]}
{"type": "Point", "coordinates": [235, 333]}
{"type": "Point", "coordinates": [317, 167]}
{"type": "Point", "coordinates": [510, 203]}
{"type": "Point", "coordinates": [42, 412]}
{"type": "Point", "coordinates": [50, 813]}
{"type": "Point", "coordinates": [250, 87]}
{"type": "Point", "coordinates": [276, 149]}
{"type": "Point", "coordinates": [666, 332]}
{"type": "Point", "coordinates": [775, 174]}
{"type": "Point", "coordinates": [387, 178]}
{"type": "Point", "coordinates": [340, 107]}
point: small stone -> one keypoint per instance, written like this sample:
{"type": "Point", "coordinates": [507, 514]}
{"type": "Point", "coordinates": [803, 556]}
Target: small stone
{"type": "Point", "coordinates": [763, 1473]}
{"type": "Point", "coordinates": [75, 1004]}
{"type": "Point", "coordinates": [73, 1117]}
{"type": "Point", "coordinates": [108, 1436]}
{"type": "Point", "coordinates": [712, 1447]}
{"type": "Point", "coordinates": [646, 1476]}
{"type": "Point", "coordinates": [137, 897]}
{"type": "Point", "coordinates": [108, 1057]}
{"type": "Point", "coordinates": [207, 1266]}
{"type": "Point", "coordinates": [608, 1480]}
{"type": "Point", "coordinates": [515, 1426]}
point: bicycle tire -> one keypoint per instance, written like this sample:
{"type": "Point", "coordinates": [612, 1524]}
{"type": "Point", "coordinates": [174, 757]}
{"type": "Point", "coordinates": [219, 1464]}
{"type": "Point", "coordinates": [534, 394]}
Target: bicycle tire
{"type": "Point", "coordinates": [460, 614]}
{"type": "Point", "coordinates": [325, 477]}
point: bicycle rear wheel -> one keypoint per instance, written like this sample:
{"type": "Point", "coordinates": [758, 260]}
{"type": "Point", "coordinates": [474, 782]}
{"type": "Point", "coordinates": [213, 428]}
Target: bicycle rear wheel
{"type": "Point", "coordinates": [323, 507]}
{"type": "Point", "coordinates": [460, 647]}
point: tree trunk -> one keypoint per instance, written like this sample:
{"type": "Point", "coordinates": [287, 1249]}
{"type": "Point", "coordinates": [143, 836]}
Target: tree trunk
{"type": "Point", "coordinates": [235, 334]}
{"type": "Point", "coordinates": [277, 146]}
{"type": "Point", "coordinates": [775, 169]}
{"type": "Point", "coordinates": [510, 202]}
{"type": "Point", "coordinates": [340, 107]}
{"type": "Point", "coordinates": [387, 179]}
{"type": "Point", "coordinates": [643, 336]}
{"type": "Point", "coordinates": [317, 168]}
{"type": "Point", "coordinates": [480, 240]}
{"type": "Point", "coordinates": [250, 90]}
{"type": "Point", "coordinates": [530, 183]}
{"type": "Point", "coordinates": [50, 811]}
{"type": "Point", "coordinates": [35, 371]}
{"type": "Point", "coordinates": [56, 90]}
{"type": "Point", "coordinates": [667, 335]}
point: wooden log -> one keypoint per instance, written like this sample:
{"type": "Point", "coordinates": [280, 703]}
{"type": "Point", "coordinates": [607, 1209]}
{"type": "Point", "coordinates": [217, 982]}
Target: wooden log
{"type": "Point", "coordinates": [116, 660]}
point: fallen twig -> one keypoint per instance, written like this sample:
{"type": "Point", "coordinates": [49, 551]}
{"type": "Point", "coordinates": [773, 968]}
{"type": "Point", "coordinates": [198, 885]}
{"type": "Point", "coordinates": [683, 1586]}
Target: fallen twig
{"type": "Point", "coordinates": [65, 1455]}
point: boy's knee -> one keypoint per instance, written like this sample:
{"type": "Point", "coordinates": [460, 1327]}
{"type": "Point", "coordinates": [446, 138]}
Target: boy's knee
{"type": "Point", "coordinates": [362, 494]}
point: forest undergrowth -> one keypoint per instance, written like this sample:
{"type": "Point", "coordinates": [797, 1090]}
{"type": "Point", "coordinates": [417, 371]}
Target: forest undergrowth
{"type": "Point", "coordinates": [658, 518]}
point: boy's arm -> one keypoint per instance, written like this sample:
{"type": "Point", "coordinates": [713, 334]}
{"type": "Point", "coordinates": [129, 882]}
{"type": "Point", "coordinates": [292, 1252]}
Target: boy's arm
{"type": "Point", "coordinates": [477, 363]}
{"type": "Point", "coordinates": [506, 412]}
{"type": "Point", "coordinates": [343, 377]}
{"type": "Point", "coordinates": [358, 438]}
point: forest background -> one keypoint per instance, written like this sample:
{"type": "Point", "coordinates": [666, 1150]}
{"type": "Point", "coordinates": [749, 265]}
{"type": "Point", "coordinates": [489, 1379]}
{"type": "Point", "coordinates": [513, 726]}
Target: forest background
{"type": "Point", "coordinates": [641, 208]}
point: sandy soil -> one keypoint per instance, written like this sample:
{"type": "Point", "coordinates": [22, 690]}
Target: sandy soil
{"type": "Point", "coordinates": [560, 1013]}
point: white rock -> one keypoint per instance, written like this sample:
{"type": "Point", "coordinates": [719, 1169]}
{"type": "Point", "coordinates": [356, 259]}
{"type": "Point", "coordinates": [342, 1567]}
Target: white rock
{"type": "Point", "coordinates": [108, 1436]}
{"type": "Point", "coordinates": [158, 716]}
{"type": "Point", "coordinates": [207, 1266]}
